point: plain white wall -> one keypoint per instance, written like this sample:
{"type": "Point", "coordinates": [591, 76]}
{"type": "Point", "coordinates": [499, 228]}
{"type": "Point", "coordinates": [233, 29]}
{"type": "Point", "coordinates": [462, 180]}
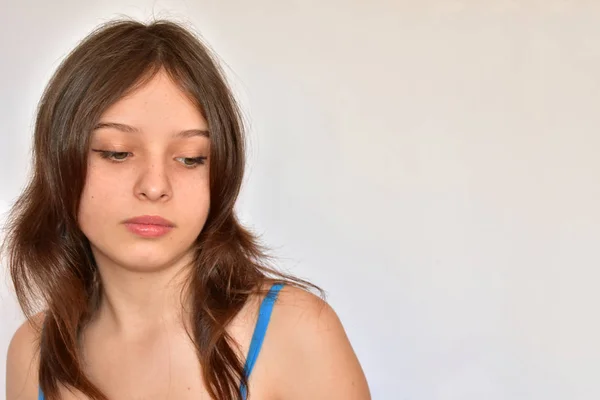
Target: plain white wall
{"type": "Point", "coordinates": [433, 165]}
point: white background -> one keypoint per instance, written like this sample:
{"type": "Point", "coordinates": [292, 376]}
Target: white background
{"type": "Point", "coordinates": [432, 164]}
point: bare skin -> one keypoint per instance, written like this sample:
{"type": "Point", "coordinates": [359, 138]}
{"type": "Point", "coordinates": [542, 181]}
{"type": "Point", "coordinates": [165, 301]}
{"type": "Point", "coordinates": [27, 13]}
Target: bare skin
{"type": "Point", "coordinates": [137, 346]}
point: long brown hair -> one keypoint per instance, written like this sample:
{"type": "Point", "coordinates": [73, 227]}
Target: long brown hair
{"type": "Point", "coordinates": [49, 257]}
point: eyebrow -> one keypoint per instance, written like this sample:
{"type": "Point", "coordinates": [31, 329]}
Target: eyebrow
{"type": "Point", "coordinates": [132, 129]}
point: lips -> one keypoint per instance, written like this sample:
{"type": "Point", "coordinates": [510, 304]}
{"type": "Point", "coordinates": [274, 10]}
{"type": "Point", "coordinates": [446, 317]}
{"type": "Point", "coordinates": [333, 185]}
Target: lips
{"type": "Point", "coordinates": [150, 220]}
{"type": "Point", "coordinates": [149, 226]}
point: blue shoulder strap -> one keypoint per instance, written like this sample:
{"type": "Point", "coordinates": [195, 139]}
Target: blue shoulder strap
{"type": "Point", "coordinates": [264, 316]}
{"type": "Point", "coordinates": [40, 394]}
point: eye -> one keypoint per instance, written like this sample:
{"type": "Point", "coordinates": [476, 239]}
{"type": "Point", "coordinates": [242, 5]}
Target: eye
{"type": "Point", "coordinates": [116, 156]}
{"type": "Point", "coordinates": [192, 162]}
{"type": "Point", "coordinates": [120, 156]}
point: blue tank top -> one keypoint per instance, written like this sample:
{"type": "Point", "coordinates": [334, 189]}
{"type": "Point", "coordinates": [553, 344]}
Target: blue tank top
{"type": "Point", "coordinates": [264, 316]}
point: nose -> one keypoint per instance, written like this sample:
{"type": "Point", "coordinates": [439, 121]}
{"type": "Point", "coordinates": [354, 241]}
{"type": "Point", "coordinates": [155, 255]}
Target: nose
{"type": "Point", "coordinates": [153, 183]}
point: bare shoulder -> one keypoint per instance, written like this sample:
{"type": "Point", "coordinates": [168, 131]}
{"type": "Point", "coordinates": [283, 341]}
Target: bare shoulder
{"type": "Point", "coordinates": [314, 354]}
{"type": "Point", "coordinates": [22, 361]}
{"type": "Point", "coordinates": [301, 311]}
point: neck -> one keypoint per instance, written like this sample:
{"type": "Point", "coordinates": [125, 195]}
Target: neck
{"type": "Point", "coordinates": [136, 302]}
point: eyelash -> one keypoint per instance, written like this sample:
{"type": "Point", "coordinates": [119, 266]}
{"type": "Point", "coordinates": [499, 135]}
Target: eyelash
{"type": "Point", "coordinates": [110, 154]}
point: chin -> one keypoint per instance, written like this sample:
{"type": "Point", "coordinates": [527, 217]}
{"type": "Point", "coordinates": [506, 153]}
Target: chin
{"type": "Point", "coordinates": [153, 255]}
{"type": "Point", "coordinates": [142, 256]}
{"type": "Point", "coordinates": [146, 262]}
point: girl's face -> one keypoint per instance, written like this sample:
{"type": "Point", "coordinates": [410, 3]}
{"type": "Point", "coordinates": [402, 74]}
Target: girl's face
{"type": "Point", "coordinates": [148, 157]}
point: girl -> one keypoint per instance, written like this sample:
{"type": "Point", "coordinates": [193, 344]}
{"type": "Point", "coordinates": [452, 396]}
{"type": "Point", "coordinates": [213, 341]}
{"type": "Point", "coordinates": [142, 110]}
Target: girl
{"type": "Point", "coordinates": [126, 236]}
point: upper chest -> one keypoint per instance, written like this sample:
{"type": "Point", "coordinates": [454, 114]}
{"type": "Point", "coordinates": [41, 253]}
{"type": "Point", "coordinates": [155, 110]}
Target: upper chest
{"type": "Point", "coordinates": [159, 367]}
{"type": "Point", "coordinates": [162, 366]}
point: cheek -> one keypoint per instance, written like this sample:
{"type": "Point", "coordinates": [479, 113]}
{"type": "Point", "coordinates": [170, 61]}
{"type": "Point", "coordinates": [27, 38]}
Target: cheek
{"type": "Point", "coordinates": [190, 205]}
{"type": "Point", "coordinates": [192, 201]}
{"type": "Point", "coordinates": [100, 195]}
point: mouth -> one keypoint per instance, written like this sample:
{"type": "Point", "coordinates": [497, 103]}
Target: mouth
{"type": "Point", "coordinates": [150, 220]}
{"type": "Point", "coordinates": [149, 225]}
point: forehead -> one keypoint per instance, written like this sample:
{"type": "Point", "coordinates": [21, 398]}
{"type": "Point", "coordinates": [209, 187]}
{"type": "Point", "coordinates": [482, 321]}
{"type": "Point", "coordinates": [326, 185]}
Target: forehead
{"type": "Point", "coordinates": [158, 105]}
